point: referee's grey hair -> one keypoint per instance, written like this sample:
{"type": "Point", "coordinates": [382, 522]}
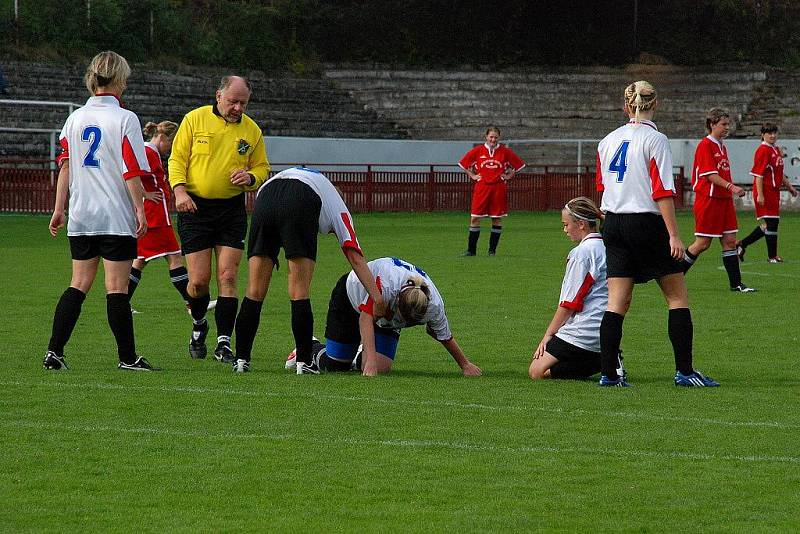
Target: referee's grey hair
{"type": "Point", "coordinates": [226, 81]}
{"type": "Point", "coordinates": [640, 96]}
{"type": "Point", "coordinates": [108, 70]}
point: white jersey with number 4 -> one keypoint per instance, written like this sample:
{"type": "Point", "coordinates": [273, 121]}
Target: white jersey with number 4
{"type": "Point", "coordinates": [334, 217]}
{"type": "Point", "coordinates": [634, 168]}
{"type": "Point", "coordinates": [104, 145]}
{"type": "Point", "coordinates": [391, 275]}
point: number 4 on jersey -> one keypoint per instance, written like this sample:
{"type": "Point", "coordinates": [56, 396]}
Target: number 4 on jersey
{"type": "Point", "coordinates": [619, 163]}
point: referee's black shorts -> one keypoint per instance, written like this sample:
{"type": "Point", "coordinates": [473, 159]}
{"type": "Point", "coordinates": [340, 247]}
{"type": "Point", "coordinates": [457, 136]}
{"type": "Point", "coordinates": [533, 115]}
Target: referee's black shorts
{"type": "Point", "coordinates": [217, 221]}
{"type": "Point", "coordinates": [637, 246]}
{"type": "Point", "coordinates": [286, 214]}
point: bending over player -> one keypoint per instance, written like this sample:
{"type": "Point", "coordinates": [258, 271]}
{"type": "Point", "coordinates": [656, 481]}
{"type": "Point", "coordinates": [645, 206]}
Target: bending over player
{"type": "Point", "coordinates": [411, 299]}
{"type": "Point", "coordinates": [570, 347]}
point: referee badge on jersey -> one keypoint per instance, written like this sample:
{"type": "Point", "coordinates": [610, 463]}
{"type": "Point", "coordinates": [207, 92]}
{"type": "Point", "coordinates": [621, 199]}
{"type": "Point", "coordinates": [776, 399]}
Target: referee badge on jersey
{"type": "Point", "coordinates": [243, 147]}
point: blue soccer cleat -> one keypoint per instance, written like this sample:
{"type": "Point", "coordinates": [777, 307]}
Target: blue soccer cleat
{"type": "Point", "coordinates": [695, 380]}
{"type": "Point", "coordinates": [606, 382]}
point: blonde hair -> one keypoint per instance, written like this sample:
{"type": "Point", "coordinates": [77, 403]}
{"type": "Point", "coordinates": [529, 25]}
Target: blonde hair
{"type": "Point", "coordinates": [413, 300]}
{"type": "Point", "coordinates": [640, 96]}
{"type": "Point", "coordinates": [715, 115]}
{"type": "Point", "coordinates": [165, 128]}
{"type": "Point", "coordinates": [107, 69]}
{"type": "Point", "coordinates": [584, 209]}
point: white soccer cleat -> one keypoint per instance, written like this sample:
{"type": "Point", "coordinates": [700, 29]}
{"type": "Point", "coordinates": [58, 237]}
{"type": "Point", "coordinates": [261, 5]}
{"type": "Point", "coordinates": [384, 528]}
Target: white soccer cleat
{"type": "Point", "coordinates": [290, 364]}
{"type": "Point", "coordinates": [211, 305]}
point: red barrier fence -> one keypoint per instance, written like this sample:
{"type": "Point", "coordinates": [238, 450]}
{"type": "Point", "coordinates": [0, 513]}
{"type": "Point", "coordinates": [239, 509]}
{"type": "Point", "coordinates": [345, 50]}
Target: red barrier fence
{"type": "Point", "coordinates": [427, 189]}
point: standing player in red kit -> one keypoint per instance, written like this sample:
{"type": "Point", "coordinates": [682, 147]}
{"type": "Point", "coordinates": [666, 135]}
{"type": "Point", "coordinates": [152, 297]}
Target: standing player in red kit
{"type": "Point", "coordinates": [714, 212]}
{"type": "Point", "coordinates": [767, 181]}
{"type": "Point", "coordinates": [634, 172]}
{"type": "Point", "coordinates": [490, 166]}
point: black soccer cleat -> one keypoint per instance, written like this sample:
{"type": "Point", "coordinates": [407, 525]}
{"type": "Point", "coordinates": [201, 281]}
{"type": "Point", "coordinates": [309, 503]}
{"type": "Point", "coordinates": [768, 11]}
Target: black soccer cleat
{"type": "Point", "coordinates": [223, 353]}
{"type": "Point", "coordinates": [741, 288]}
{"type": "Point", "coordinates": [139, 365]}
{"type": "Point", "coordinates": [197, 343]}
{"type": "Point", "coordinates": [467, 253]}
{"type": "Point", "coordinates": [54, 362]}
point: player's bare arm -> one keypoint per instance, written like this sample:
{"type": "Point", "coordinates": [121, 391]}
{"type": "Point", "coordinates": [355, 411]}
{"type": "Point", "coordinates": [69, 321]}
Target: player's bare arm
{"type": "Point", "coordinates": [62, 192]}
{"type": "Point", "coordinates": [364, 275]}
{"type": "Point", "coordinates": [666, 206]}
{"type": "Point", "coordinates": [719, 181]}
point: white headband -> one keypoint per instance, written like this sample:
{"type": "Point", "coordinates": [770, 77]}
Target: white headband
{"type": "Point", "coordinates": [581, 217]}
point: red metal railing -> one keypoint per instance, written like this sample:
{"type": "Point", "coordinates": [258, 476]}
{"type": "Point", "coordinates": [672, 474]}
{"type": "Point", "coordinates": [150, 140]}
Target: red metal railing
{"type": "Point", "coordinates": [374, 188]}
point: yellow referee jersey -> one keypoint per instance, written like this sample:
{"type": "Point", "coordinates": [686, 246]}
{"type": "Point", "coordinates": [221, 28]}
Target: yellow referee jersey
{"type": "Point", "coordinates": [207, 149]}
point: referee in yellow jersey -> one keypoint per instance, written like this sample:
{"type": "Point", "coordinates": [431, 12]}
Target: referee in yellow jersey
{"type": "Point", "coordinates": [217, 155]}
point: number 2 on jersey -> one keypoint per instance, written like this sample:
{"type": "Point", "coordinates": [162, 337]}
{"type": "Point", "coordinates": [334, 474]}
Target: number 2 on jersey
{"type": "Point", "coordinates": [408, 266]}
{"type": "Point", "coordinates": [93, 135]}
{"type": "Point", "coordinates": [619, 163]}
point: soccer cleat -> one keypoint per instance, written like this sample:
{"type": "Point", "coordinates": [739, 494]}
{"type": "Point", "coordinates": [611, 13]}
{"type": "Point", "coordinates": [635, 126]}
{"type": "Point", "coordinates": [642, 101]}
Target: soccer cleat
{"type": "Point", "coordinates": [492, 253]}
{"type": "Point", "coordinates": [775, 259]}
{"type": "Point", "coordinates": [740, 251]}
{"type": "Point", "coordinates": [54, 362]}
{"type": "Point", "coordinates": [621, 371]}
{"type": "Point", "coordinates": [695, 380]}
{"type": "Point", "coordinates": [609, 383]}
{"type": "Point", "coordinates": [241, 366]}
{"type": "Point", "coordinates": [134, 312]}
{"type": "Point", "coordinates": [355, 365]}
{"type": "Point", "coordinates": [291, 361]}
{"type": "Point", "coordinates": [139, 365]}
{"type": "Point", "coordinates": [197, 343]}
{"type": "Point", "coordinates": [211, 305]}
{"type": "Point", "coordinates": [467, 253]}
{"type": "Point", "coordinates": [307, 368]}
{"type": "Point", "coordinates": [741, 288]}
{"type": "Point", "coordinates": [223, 353]}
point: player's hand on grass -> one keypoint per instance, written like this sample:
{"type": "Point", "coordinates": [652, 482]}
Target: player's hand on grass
{"type": "Point", "coordinates": [370, 369]}
{"type": "Point", "coordinates": [56, 222]}
{"type": "Point", "coordinates": [470, 369]}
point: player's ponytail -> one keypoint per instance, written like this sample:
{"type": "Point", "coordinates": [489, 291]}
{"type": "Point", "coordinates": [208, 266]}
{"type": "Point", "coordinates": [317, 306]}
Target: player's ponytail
{"type": "Point", "coordinates": [584, 209]}
{"type": "Point", "coordinates": [413, 300]}
{"type": "Point", "coordinates": [107, 70]}
{"type": "Point", "coordinates": [640, 96]}
{"type": "Point", "coordinates": [166, 128]}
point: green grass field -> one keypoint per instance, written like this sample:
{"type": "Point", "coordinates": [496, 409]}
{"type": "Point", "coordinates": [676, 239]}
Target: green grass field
{"type": "Point", "coordinates": [198, 448]}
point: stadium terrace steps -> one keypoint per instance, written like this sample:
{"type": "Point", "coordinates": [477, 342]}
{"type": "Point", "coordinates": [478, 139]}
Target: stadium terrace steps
{"type": "Point", "coordinates": [280, 106]}
{"type": "Point", "coordinates": [544, 103]}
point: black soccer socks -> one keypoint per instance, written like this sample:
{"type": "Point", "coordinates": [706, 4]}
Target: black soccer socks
{"type": "Point", "coordinates": [688, 260]}
{"type": "Point", "coordinates": [225, 315]}
{"type": "Point", "coordinates": [302, 328]}
{"type": "Point", "coordinates": [133, 281]}
{"type": "Point", "coordinates": [472, 242]}
{"type": "Point", "coordinates": [771, 236]}
{"type": "Point", "coordinates": [246, 327]}
{"type": "Point", "coordinates": [494, 238]}
{"type": "Point", "coordinates": [180, 279]}
{"type": "Point", "coordinates": [730, 259]}
{"type": "Point", "coordinates": [118, 309]}
{"type": "Point", "coordinates": [681, 332]}
{"type": "Point", "coordinates": [754, 236]}
{"type": "Point", "coordinates": [610, 339]}
{"type": "Point", "coordinates": [65, 317]}
{"type": "Point", "coordinates": [199, 306]}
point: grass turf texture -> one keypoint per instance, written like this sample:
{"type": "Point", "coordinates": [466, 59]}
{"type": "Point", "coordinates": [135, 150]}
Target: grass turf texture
{"type": "Point", "coordinates": [198, 448]}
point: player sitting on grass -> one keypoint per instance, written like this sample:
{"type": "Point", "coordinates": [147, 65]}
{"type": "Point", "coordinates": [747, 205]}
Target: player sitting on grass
{"type": "Point", "coordinates": [570, 347]}
{"type": "Point", "coordinates": [411, 299]}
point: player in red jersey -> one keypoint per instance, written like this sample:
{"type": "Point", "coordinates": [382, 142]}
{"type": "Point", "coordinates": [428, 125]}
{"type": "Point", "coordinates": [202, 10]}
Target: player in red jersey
{"type": "Point", "coordinates": [490, 166]}
{"type": "Point", "coordinates": [159, 241]}
{"type": "Point", "coordinates": [768, 178]}
{"type": "Point", "coordinates": [714, 213]}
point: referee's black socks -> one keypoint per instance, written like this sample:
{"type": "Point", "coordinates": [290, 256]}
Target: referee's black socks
{"type": "Point", "coordinates": [225, 315]}
{"type": "Point", "coordinates": [246, 327]}
{"type": "Point", "coordinates": [199, 306]}
{"type": "Point", "coordinates": [681, 332]}
{"type": "Point", "coordinates": [302, 328]}
{"type": "Point", "coordinates": [65, 317]}
{"type": "Point", "coordinates": [180, 279]}
{"type": "Point", "coordinates": [610, 339]}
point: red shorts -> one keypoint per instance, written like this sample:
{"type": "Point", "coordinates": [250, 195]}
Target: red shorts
{"type": "Point", "coordinates": [157, 242]}
{"type": "Point", "coordinates": [714, 216]}
{"type": "Point", "coordinates": [490, 200]}
{"type": "Point", "coordinates": [772, 204]}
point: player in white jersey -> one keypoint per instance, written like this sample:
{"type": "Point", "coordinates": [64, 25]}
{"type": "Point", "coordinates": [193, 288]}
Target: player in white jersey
{"type": "Point", "coordinates": [290, 209]}
{"type": "Point", "coordinates": [411, 299]}
{"type": "Point", "coordinates": [101, 163]}
{"type": "Point", "coordinates": [570, 347]}
{"type": "Point", "coordinates": [634, 172]}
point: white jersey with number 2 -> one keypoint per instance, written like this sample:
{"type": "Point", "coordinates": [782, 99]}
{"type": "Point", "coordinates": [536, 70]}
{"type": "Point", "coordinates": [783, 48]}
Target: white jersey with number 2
{"type": "Point", "coordinates": [104, 145]}
{"type": "Point", "coordinates": [634, 168]}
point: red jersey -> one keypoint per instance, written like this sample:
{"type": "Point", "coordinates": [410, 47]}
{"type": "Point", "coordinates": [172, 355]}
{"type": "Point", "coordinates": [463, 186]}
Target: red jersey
{"type": "Point", "coordinates": [157, 213]}
{"type": "Point", "coordinates": [491, 164]}
{"type": "Point", "coordinates": [768, 164]}
{"type": "Point", "coordinates": [711, 157]}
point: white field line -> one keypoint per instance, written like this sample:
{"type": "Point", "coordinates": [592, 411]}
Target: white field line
{"type": "Point", "coordinates": [755, 273]}
{"type": "Point", "coordinates": [418, 444]}
{"type": "Point", "coordinates": [411, 402]}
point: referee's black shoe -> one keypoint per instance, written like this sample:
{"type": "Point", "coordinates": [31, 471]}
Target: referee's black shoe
{"type": "Point", "coordinates": [197, 343]}
{"type": "Point", "coordinates": [223, 353]}
{"type": "Point", "coordinates": [139, 365]}
{"type": "Point", "coordinates": [54, 362]}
